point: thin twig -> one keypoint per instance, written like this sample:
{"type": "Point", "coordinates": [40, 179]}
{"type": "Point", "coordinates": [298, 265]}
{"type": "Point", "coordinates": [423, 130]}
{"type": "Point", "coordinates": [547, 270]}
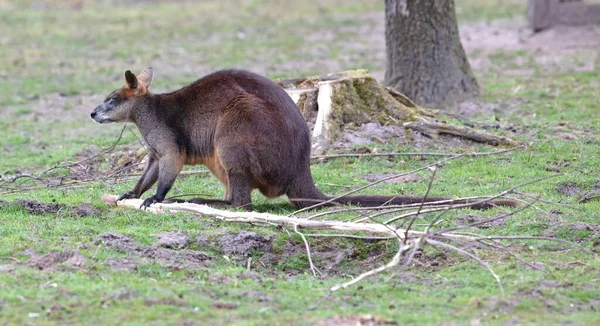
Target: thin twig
{"type": "Point", "coordinates": [394, 262]}
{"type": "Point", "coordinates": [373, 184]}
{"type": "Point", "coordinates": [307, 246]}
{"type": "Point", "coordinates": [422, 202]}
{"type": "Point", "coordinates": [470, 255]}
{"type": "Point", "coordinates": [500, 246]}
{"type": "Point", "coordinates": [476, 154]}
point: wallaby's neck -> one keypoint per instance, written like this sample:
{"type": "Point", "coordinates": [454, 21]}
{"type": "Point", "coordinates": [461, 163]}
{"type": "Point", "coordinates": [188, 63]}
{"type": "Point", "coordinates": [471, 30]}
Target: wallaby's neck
{"type": "Point", "coordinates": [147, 108]}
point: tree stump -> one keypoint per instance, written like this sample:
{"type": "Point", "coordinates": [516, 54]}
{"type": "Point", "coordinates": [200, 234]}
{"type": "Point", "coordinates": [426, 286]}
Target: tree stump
{"type": "Point", "coordinates": [343, 101]}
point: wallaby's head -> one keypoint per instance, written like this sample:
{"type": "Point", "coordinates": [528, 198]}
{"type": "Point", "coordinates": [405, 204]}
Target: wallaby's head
{"type": "Point", "coordinates": [120, 104]}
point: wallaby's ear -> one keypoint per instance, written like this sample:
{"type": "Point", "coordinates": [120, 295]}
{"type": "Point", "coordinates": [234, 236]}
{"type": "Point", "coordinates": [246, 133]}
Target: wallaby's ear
{"type": "Point", "coordinates": [146, 76]}
{"type": "Point", "coordinates": [132, 81]}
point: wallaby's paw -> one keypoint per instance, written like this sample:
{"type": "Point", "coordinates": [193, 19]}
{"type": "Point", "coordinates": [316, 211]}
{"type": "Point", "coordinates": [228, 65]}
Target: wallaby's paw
{"type": "Point", "coordinates": [127, 195]}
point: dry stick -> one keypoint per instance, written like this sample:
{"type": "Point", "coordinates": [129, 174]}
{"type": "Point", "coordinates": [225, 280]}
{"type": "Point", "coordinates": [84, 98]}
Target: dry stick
{"type": "Point", "coordinates": [434, 206]}
{"type": "Point", "coordinates": [394, 262]}
{"type": "Point", "coordinates": [372, 184]}
{"type": "Point", "coordinates": [587, 198]}
{"type": "Point", "coordinates": [255, 217]}
{"type": "Point", "coordinates": [410, 258]}
{"type": "Point", "coordinates": [537, 208]}
{"type": "Point", "coordinates": [46, 182]}
{"type": "Point", "coordinates": [102, 152]}
{"type": "Point", "coordinates": [11, 258]}
{"type": "Point", "coordinates": [403, 242]}
{"type": "Point", "coordinates": [501, 246]}
{"type": "Point", "coordinates": [389, 209]}
{"type": "Point", "coordinates": [422, 202]}
{"type": "Point", "coordinates": [545, 201]}
{"type": "Point", "coordinates": [487, 220]}
{"type": "Point", "coordinates": [508, 237]}
{"type": "Point", "coordinates": [325, 157]}
{"type": "Point", "coordinates": [466, 253]}
{"type": "Point", "coordinates": [438, 163]}
{"type": "Point", "coordinates": [312, 266]}
{"type": "Point", "coordinates": [502, 194]}
{"type": "Point", "coordinates": [351, 236]}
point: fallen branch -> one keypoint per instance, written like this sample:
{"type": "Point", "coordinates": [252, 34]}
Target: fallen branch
{"type": "Point", "coordinates": [434, 129]}
{"type": "Point", "coordinates": [255, 217]}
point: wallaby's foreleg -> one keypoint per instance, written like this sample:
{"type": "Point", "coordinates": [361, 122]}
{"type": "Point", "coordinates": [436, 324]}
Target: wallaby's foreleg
{"type": "Point", "coordinates": [169, 167]}
{"type": "Point", "coordinates": [147, 180]}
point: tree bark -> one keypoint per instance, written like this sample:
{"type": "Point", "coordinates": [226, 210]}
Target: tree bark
{"type": "Point", "coordinates": [425, 59]}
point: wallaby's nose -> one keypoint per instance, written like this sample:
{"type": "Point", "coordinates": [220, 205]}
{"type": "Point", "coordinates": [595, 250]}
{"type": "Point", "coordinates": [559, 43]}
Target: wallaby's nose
{"type": "Point", "coordinates": [93, 115]}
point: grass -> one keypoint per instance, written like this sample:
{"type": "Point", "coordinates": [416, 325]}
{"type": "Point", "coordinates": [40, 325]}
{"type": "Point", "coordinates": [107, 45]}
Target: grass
{"type": "Point", "coordinates": [60, 60]}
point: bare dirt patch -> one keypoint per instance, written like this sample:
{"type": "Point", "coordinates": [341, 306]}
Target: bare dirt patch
{"type": "Point", "coordinates": [170, 257]}
{"type": "Point", "coordinates": [245, 242]}
{"type": "Point", "coordinates": [581, 226]}
{"type": "Point", "coordinates": [562, 48]}
{"type": "Point", "coordinates": [568, 188]}
{"type": "Point", "coordinates": [374, 133]}
{"type": "Point", "coordinates": [366, 320]}
{"type": "Point", "coordinates": [50, 261]}
{"type": "Point", "coordinates": [40, 208]}
{"type": "Point", "coordinates": [122, 265]}
{"type": "Point", "coordinates": [173, 240]}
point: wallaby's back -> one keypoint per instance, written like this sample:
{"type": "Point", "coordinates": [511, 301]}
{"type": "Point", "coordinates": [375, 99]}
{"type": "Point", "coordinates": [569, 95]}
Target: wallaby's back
{"type": "Point", "coordinates": [237, 121]}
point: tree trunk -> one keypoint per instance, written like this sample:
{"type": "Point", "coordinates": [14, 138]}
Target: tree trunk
{"type": "Point", "coordinates": [425, 59]}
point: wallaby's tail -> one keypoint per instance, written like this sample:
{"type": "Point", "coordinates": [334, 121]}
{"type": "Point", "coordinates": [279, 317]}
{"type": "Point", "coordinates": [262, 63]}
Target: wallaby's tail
{"type": "Point", "coordinates": [303, 193]}
{"type": "Point", "coordinates": [376, 201]}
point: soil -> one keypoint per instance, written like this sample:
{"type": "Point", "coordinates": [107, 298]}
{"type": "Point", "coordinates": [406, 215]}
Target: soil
{"type": "Point", "coordinates": [374, 134]}
{"type": "Point", "coordinates": [170, 257]}
{"type": "Point", "coordinates": [366, 320]}
{"type": "Point", "coordinates": [568, 188]}
{"type": "Point", "coordinates": [244, 243]}
{"type": "Point", "coordinates": [50, 261]}
{"type": "Point", "coordinates": [173, 240]}
{"type": "Point", "coordinates": [40, 208]}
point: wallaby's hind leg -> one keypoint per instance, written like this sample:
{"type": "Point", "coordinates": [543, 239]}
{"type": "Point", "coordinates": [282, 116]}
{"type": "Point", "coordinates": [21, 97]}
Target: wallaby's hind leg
{"type": "Point", "coordinates": [303, 192]}
{"type": "Point", "coordinates": [240, 190]}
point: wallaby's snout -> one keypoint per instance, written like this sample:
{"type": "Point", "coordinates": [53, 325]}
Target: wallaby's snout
{"type": "Point", "coordinates": [100, 113]}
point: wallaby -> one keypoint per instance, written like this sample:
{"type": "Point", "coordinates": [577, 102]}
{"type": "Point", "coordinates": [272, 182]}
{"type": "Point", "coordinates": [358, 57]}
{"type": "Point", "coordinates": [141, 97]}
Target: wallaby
{"type": "Point", "coordinates": [242, 126]}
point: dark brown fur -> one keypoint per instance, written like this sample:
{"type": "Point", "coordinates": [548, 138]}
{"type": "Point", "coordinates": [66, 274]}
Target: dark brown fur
{"type": "Point", "coordinates": [242, 126]}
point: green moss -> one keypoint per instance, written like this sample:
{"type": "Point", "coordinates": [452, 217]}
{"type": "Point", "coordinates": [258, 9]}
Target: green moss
{"type": "Point", "coordinates": [358, 98]}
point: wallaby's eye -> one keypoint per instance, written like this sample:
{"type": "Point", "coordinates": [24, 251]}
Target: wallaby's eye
{"type": "Point", "coordinates": [112, 101]}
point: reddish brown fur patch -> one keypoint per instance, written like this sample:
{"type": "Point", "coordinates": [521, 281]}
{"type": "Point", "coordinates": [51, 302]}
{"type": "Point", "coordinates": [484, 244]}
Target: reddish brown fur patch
{"type": "Point", "coordinates": [270, 191]}
{"type": "Point", "coordinates": [213, 163]}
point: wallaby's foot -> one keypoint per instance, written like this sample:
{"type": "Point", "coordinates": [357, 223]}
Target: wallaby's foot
{"type": "Point", "coordinates": [150, 201]}
{"type": "Point", "coordinates": [127, 195]}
